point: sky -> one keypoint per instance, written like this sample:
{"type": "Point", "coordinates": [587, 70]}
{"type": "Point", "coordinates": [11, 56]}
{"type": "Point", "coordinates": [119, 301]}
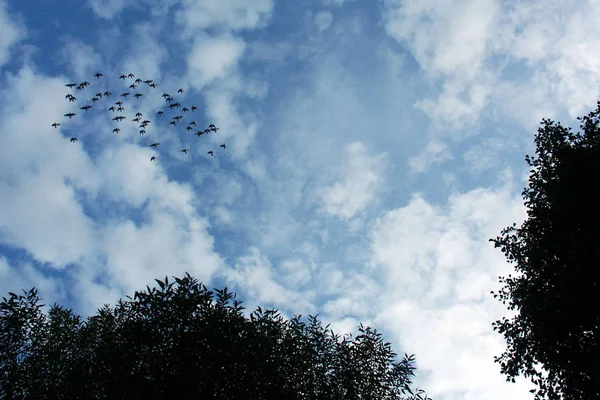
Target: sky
{"type": "Point", "coordinates": [372, 150]}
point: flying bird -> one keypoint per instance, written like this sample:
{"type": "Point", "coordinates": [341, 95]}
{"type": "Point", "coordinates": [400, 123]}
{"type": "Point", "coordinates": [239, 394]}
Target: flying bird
{"type": "Point", "coordinates": [95, 99]}
{"type": "Point", "coordinates": [131, 76]}
{"type": "Point", "coordinates": [193, 123]}
{"type": "Point", "coordinates": [145, 121]}
{"type": "Point", "coordinates": [185, 150]}
{"type": "Point", "coordinates": [155, 145]}
{"type": "Point", "coordinates": [211, 153]}
{"type": "Point", "coordinates": [177, 117]}
{"type": "Point", "coordinates": [125, 94]}
{"type": "Point", "coordinates": [70, 85]}
{"type": "Point", "coordinates": [194, 108]}
{"type": "Point", "coordinates": [199, 133]}
{"type": "Point", "coordinates": [99, 95]}
{"type": "Point", "coordinates": [180, 91]}
{"type": "Point", "coordinates": [121, 109]}
{"type": "Point", "coordinates": [132, 86]}
{"type": "Point", "coordinates": [123, 77]}
{"type": "Point", "coordinates": [118, 118]}
{"type": "Point", "coordinates": [153, 85]}
{"type": "Point", "coordinates": [106, 94]}
{"type": "Point", "coordinates": [73, 139]}
{"type": "Point", "coordinates": [153, 158]}
{"type": "Point", "coordinates": [138, 114]}
{"type": "Point", "coordinates": [70, 115]}
{"type": "Point", "coordinates": [85, 83]}
{"type": "Point", "coordinates": [142, 131]}
{"type": "Point", "coordinates": [149, 81]}
{"type": "Point", "coordinates": [138, 80]}
{"type": "Point", "coordinates": [98, 75]}
{"type": "Point", "coordinates": [223, 146]}
{"type": "Point", "coordinates": [160, 113]}
{"type": "Point", "coordinates": [185, 109]}
{"type": "Point", "coordinates": [116, 130]}
{"type": "Point", "coordinates": [55, 125]}
{"type": "Point", "coordinates": [137, 95]}
{"type": "Point", "coordinates": [188, 128]}
{"type": "Point", "coordinates": [165, 95]}
{"type": "Point", "coordinates": [112, 108]}
{"type": "Point", "coordinates": [136, 119]}
{"type": "Point", "coordinates": [207, 131]}
{"type": "Point", "coordinates": [119, 103]}
{"type": "Point", "coordinates": [173, 122]}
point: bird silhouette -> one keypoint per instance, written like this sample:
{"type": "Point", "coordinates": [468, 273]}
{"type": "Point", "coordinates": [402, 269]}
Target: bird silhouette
{"type": "Point", "coordinates": [123, 77]}
{"type": "Point", "coordinates": [185, 150]}
{"type": "Point", "coordinates": [142, 131]}
{"type": "Point", "coordinates": [160, 113]}
{"type": "Point", "coordinates": [70, 115]}
{"type": "Point", "coordinates": [223, 146]}
{"type": "Point", "coordinates": [73, 139]}
{"type": "Point", "coordinates": [55, 125]}
{"type": "Point", "coordinates": [194, 108]}
{"type": "Point", "coordinates": [153, 158]}
{"type": "Point", "coordinates": [188, 128]}
{"type": "Point", "coordinates": [137, 95]}
{"type": "Point", "coordinates": [116, 130]}
{"type": "Point", "coordinates": [211, 153]}
{"type": "Point", "coordinates": [70, 85]}
{"type": "Point", "coordinates": [180, 91]}
{"type": "Point", "coordinates": [98, 75]}
{"type": "Point", "coordinates": [155, 145]}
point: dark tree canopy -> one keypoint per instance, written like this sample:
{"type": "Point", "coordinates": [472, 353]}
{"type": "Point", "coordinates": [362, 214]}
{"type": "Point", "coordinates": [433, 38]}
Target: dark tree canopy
{"type": "Point", "coordinates": [183, 341]}
{"type": "Point", "coordinates": [554, 337]}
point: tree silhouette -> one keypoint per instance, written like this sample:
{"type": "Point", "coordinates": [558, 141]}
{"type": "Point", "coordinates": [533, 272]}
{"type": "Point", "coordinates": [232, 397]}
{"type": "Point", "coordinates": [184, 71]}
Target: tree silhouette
{"type": "Point", "coordinates": [554, 337]}
{"type": "Point", "coordinates": [183, 341]}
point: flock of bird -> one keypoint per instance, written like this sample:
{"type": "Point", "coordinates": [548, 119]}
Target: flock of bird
{"type": "Point", "coordinates": [118, 108]}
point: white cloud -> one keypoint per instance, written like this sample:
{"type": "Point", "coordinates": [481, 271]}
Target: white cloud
{"type": "Point", "coordinates": [323, 20]}
{"type": "Point", "coordinates": [359, 182]}
{"type": "Point", "coordinates": [107, 9]}
{"type": "Point", "coordinates": [437, 267]}
{"type": "Point", "coordinates": [226, 14]}
{"type": "Point", "coordinates": [213, 58]}
{"type": "Point", "coordinates": [11, 32]}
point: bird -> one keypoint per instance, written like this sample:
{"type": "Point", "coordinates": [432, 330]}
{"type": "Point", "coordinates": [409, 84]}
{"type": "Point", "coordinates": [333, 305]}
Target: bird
{"type": "Point", "coordinates": [188, 128]}
{"type": "Point", "coordinates": [70, 85]}
{"type": "Point", "coordinates": [112, 108]}
{"type": "Point", "coordinates": [79, 87]}
{"type": "Point", "coordinates": [136, 119]}
{"type": "Point", "coordinates": [193, 123]}
{"type": "Point", "coordinates": [142, 131]}
{"type": "Point", "coordinates": [177, 117]}
{"type": "Point", "coordinates": [132, 86]}
{"type": "Point", "coordinates": [85, 83]}
{"type": "Point", "coordinates": [119, 103]}
{"type": "Point", "coordinates": [223, 146]}
{"type": "Point", "coordinates": [98, 75]}
{"type": "Point", "coordinates": [107, 93]}
{"type": "Point", "coordinates": [160, 113]}
{"type": "Point", "coordinates": [185, 150]}
{"type": "Point", "coordinates": [123, 77]}
{"type": "Point", "coordinates": [143, 125]}
{"type": "Point", "coordinates": [145, 122]}
{"type": "Point", "coordinates": [153, 158]}
{"type": "Point", "coordinates": [194, 108]}
{"type": "Point", "coordinates": [211, 153]}
{"type": "Point", "coordinates": [180, 91]}
{"type": "Point", "coordinates": [73, 139]}
{"type": "Point", "coordinates": [173, 122]}
{"type": "Point", "coordinates": [137, 95]}
{"type": "Point", "coordinates": [165, 95]}
{"type": "Point", "coordinates": [155, 145]}
{"type": "Point", "coordinates": [207, 131]}
{"type": "Point", "coordinates": [99, 95]}
{"type": "Point", "coordinates": [138, 80]}
{"type": "Point", "coordinates": [185, 109]}
{"type": "Point", "coordinates": [131, 76]}
{"type": "Point", "coordinates": [118, 118]}
{"type": "Point", "coordinates": [138, 114]}
{"type": "Point", "coordinates": [116, 130]}
{"type": "Point", "coordinates": [70, 115]}
{"type": "Point", "coordinates": [153, 85]}
{"type": "Point", "coordinates": [95, 99]}
{"type": "Point", "coordinates": [55, 125]}
{"type": "Point", "coordinates": [149, 81]}
{"type": "Point", "coordinates": [199, 133]}
{"type": "Point", "coordinates": [121, 109]}
{"type": "Point", "coordinates": [125, 94]}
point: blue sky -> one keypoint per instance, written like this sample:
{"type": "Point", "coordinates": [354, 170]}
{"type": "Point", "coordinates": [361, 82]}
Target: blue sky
{"type": "Point", "coordinates": [373, 148]}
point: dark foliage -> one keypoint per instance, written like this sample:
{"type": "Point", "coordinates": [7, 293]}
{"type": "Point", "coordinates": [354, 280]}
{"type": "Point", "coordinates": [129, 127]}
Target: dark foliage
{"type": "Point", "coordinates": [554, 337]}
{"type": "Point", "coordinates": [183, 341]}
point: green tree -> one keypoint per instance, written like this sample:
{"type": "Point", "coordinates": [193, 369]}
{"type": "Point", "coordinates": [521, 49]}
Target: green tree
{"type": "Point", "coordinates": [183, 341]}
{"type": "Point", "coordinates": [553, 339]}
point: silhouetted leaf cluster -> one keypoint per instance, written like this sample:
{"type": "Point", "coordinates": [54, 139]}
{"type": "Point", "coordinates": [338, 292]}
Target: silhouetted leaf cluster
{"type": "Point", "coordinates": [183, 341]}
{"type": "Point", "coordinates": [554, 337]}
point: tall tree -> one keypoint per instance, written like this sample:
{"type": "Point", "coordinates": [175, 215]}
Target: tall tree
{"type": "Point", "coordinates": [553, 338]}
{"type": "Point", "coordinates": [183, 341]}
